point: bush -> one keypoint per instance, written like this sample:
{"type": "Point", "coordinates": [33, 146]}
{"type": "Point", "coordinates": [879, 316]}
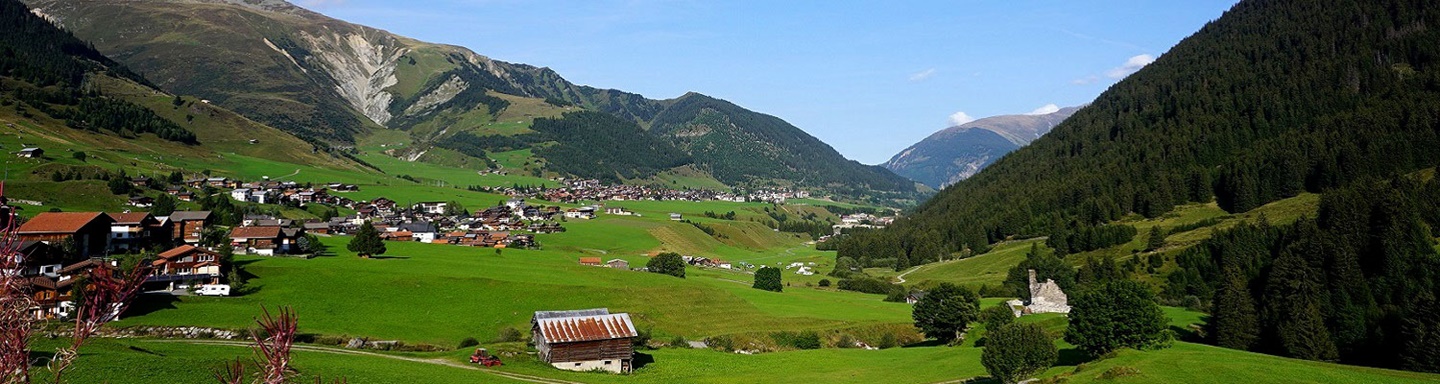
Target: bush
{"type": "Point", "coordinates": [1119, 314]}
{"type": "Point", "coordinates": [509, 335]}
{"type": "Point", "coordinates": [768, 278]}
{"type": "Point", "coordinates": [802, 340]}
{"type": "Point", "coordinates": [679, 342]}
{"type": "Point", "coordinates": [824, 282]}
{"type": "Point", "coordinates": [468, 342]}
{"type": "Point", "coordinates": [723, 343]}
{"type": "Point", "coordinates": [997, 316]}
{"type": "Point", "coordinates": [946, 311]}
{"type": "Point", "coordinates": [668, 263]}
{"type": "Point", "coordinates": [1016, 351]}
{"type": "Point", "coordinates": [642, 338]}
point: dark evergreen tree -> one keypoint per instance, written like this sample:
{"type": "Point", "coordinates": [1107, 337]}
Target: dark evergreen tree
{"type": "Point", "coordinates": [1156, 240]}
{"type": "Point", "coordinates": [1233, 321]}
{"type": "Point", "coordinates": [367, 241]}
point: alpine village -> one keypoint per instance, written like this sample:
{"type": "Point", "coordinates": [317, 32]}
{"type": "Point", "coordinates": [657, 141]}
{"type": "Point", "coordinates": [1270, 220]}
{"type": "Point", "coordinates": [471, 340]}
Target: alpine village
{"type": "Point", "coordinates": [257, 191]}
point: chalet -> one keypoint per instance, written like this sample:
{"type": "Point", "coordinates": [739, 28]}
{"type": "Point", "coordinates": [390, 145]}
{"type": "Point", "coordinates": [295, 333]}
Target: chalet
{"type": "Point", "coordinates": [240, 194]}
{"type": "Point", "coordinates": [514, 204]}
{"type": "Point", "coordinates": [221, 182]}
{"type": "Point", "coordinates": [322, 228]}
{"type": "Point", "coordinates": [41, 259]}
{"type": "Point", "coordinates": [189, 226]}
{"type": "Point", "coordinates": [618, 264]}
{"type": "Point", "coordinates": [675, 217]}
{"type": "Point", "coordinates": [51, 298]}
{"type": "Point", "coordinates": [90, 231]}
{"type": "Point", "coordinates": [31, 152]}
{"type": "Point", "coordinates": [185, 196]}
{"type": "Point", "coordinates": [590, 261]}
{"type": "Point", "coordinates": [133, 231]}
{"type": "Point", "coordinates": [914, 297]}
{"type": "Point", "coordinates": [142, 181]}
{"type": "Point", "coordinates": [584, 340]}
{"type": "Point", "coordinates": [401, 235]}
{"type": "Point", "coordinates": [422, 231]}
{"type": "Point", "coordinates": [267, 241]}
{"type": "Point", "coordinates": [185, 266]}
{"type": "Point", "coordinates": [432, 207]}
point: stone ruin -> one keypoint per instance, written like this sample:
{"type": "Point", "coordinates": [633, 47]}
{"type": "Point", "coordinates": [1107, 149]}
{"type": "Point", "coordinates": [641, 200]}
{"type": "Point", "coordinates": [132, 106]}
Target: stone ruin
{"type": "Point", "coordinates": [1046, 297]}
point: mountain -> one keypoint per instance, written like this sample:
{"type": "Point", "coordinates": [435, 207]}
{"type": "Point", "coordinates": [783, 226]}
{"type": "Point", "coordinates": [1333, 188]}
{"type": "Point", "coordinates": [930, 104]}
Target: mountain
{"type": "Point", "coordinates": [337, 83]}
{"type": "Point", "coordinates": [60, 93]}
{"type": "Point", "coordinates": [958, 152]}
{"type": "Point", "coordinates": [1274, 100]}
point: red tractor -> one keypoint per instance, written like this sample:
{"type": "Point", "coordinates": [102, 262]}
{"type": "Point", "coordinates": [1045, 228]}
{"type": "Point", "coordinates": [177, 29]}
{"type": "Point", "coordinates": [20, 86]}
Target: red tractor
{"type": "Point", "coordinates": [483, 357]}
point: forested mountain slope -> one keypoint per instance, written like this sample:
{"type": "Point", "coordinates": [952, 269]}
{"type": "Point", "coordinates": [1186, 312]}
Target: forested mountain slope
{"type": "Point", "coordinates": [1272, 99]}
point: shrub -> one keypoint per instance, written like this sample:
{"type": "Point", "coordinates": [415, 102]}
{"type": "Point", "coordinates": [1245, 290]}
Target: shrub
{"type": "Point", "coordinates": [824, 282]}
{"type": "Point", "coordinates": [679, 342]}
{"type": "Point", "coordinates": [668, 263]}
{"type": "Point", "coordinates": [1118, 314]}
{"type": "Point", "coordinates": [509, 334]}
{"type": "Point", "coordinates": [946, 311]}
{"type": "Point", "coordinates": [1016, 351]}
{"type": "Point", "coordinates": [997, 316]}
{"type": "Point", "coordinates": [468, 342]}
{"type": "Point", "coordinates": [768, 278]}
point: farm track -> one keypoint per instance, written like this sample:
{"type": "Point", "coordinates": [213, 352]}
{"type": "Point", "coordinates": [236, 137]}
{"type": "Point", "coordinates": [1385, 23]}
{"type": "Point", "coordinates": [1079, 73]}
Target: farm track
{"type": "Point", "coordinates": [435, 361]}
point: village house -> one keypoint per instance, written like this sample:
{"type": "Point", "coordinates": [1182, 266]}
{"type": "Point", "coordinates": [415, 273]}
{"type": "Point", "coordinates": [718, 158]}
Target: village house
{"type": "Point", "coordinates": [51, 298]}
{"type": "Point", "coordinates": [675, 217]}
{"type": "Point", "coordinates": [268, 241]}
{"type": "Point", "coordinates": [318, 227]}
{"type": "Point", "coordinates": [432, 207]}
{"type": "Point", "coordinates": [31, 152]}
{"type": "Point", "coordinates": [134, 231]}
{"type": "Point", "coordinates": [618, 264]}
{"type": "Point", "coordinates": [189, 226]}
{"type": "Point", "coordinates": [422, 231]}
{"type": "Point", "coordinates": [618, 211]}
{"type": "Point", "coordinates": [185, 266]}
{"type": "Point", "coordinates": [590, 261]}
{"type": "Point", "coordinates": [584, 340]}
{"type": "Point", "coordinates": [89, 231]}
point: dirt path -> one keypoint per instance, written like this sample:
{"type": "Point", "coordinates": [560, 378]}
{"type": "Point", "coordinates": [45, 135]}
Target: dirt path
{"type": "Point", "coordinates": [435, 361]}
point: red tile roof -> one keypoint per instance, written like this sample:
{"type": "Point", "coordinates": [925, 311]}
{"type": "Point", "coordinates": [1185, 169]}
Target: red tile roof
{"type": "Point", "coordinates": [586, 328]}
{"type": "Point", "coordinates": [255, 233]}
{"type": "Point", "coordinates": [589, 260]}
{"type": "Point", "coordinates": [60, 222]}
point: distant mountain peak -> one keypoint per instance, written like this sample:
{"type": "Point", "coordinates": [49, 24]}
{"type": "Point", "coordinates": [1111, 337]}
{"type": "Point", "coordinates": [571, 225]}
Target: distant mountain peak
{"type": "Point", "coordinates": [956, 153]}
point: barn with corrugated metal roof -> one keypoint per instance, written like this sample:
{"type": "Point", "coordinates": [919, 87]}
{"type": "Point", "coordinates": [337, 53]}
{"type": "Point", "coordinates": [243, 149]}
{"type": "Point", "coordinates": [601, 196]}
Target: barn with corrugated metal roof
{"type": "Point", "coordinates": [585, 340]}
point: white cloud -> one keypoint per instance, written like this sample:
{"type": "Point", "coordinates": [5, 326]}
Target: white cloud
{"type": "Point", "coordinates": [960, 118]}
{"type": "Point", "coordinates": [1045, 110]}
{"type": "Point", "coordinates": [1131, 66]}
{"type": "Point", "coordinates": [1087, 80]}
{"type": "Point", "coordinates": [922, 75]}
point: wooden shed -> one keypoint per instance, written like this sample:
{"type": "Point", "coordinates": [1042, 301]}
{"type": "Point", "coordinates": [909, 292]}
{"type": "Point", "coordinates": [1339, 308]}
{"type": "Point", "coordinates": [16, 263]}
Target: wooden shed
{"type": "Point", "coordinates": [585, 340]}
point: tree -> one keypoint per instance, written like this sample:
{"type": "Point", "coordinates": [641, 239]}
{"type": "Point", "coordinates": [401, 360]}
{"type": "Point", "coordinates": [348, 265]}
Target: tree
{"type": "Point", "coordinates": [768, 278]}
{"type": "Point", "coordinates": [997, 316]}
{"type": "Point", "coordinates": [164, 205]}
{"type": "Point", "coordinates": [1015, 352]}
{"type": "Point", "coordinates": [80, 155]}
{"type": "Point", "coordinates": [1046, 266]}
{"type": "Point", "coordinates": [1119, 314]}
{"type": "Point", "coordinates": [946, 312]}
{"type": "Point", "coordinates": [1156, 240]}
{"type": "Point", "coordinates": [367, 241]}
{"type": "Point", "coordinates": [1233, 321]}
{"type": "Point", "coordinates": [668, 263]}
{"type": "Point", "coordinates": [119, 185]}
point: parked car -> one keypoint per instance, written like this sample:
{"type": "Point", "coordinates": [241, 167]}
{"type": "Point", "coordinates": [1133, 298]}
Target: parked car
{"type": "Point", "coordinates": [214, 290]}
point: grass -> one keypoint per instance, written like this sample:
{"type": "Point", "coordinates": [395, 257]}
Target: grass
{"type": "Point", "coordinates": [986, 269]}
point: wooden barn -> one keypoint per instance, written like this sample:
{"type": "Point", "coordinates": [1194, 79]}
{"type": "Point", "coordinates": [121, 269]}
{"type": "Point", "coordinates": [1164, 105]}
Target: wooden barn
{"type": "Point", "coordinates": [585, 340]}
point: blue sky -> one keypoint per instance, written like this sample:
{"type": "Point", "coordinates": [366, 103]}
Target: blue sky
{"type": "Point", "coordinates": [868, 77]}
